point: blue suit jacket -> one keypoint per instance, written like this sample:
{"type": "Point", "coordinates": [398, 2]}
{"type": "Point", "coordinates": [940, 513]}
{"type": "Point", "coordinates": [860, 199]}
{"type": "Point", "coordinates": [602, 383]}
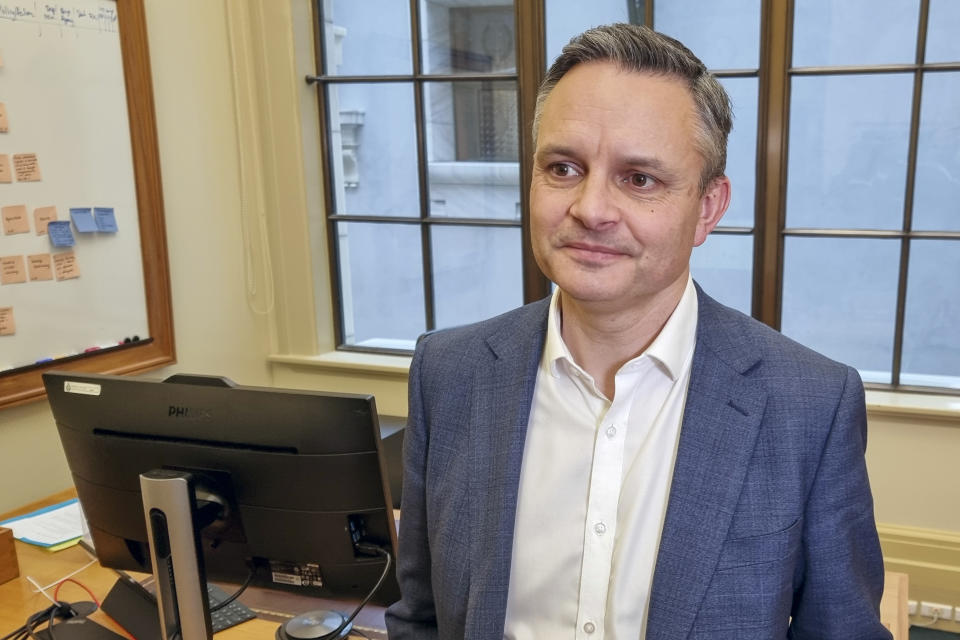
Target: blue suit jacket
{"type": "Point", "coordinates": [769, 530]}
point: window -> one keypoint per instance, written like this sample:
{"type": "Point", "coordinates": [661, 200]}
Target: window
{"type": "Point", "coordinates": [871, 258]}
{"type": "Point", "coordinates": [844, 231]}
{"type": "Point", "coordinates": [423, 144]}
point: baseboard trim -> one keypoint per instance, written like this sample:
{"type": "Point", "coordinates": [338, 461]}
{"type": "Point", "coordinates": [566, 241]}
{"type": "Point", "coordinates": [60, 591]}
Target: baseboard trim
{"type": "Point", "coordinates": [932, 560]}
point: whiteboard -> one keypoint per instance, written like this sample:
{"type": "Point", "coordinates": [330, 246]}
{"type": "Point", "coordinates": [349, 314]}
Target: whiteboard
{"type": "Point", "coordinates": [62, 86]}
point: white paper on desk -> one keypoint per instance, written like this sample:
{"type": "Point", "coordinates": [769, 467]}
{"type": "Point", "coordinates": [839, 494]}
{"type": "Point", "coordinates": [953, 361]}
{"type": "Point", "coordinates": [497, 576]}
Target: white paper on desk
{"type": "Point", "coordinates": [50, 526]}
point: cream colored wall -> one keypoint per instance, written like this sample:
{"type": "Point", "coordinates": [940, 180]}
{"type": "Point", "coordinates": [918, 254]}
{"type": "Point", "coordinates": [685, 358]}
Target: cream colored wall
{"type": "Point", "coordinates": [216, 331]}
{"type": "Point", "coordinates": [914, 465]}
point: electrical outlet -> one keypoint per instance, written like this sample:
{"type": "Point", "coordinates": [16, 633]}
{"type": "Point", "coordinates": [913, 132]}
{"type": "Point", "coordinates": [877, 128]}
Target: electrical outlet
{"type": "Point", "coordinates": [939, 611]}
{"type": "Point", "coordinates": [912, 607]}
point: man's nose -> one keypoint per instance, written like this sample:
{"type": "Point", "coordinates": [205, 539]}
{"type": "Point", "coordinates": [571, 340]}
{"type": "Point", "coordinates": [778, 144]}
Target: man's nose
{"type": "Point", "coordinates": [595, 203]}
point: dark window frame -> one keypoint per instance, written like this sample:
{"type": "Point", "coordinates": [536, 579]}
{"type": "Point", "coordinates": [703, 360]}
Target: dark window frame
{"type": "Point", "coordinates": [769, 232]}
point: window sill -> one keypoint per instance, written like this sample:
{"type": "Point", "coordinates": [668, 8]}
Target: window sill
{"type": "Point", "coordinates": [350, 360]}
{"type": "Point", "coordinates": [893, 404]}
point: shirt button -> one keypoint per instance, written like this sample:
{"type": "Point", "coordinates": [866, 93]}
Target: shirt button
{"type": "Point", "coordinates": [600, 528]}
{"type": "Point", "coordinates": [589, 627]}
{"type": "Point", "coordinates": [611, 432]}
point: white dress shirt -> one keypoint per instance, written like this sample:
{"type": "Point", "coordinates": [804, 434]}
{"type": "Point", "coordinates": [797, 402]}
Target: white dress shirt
{"type": "Point", "coordinates": [594, 486]}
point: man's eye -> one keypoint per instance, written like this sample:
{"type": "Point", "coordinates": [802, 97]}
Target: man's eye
{"type": "Point", "coordinates": [562, 170]}
{"type": "Point", "coordinates": [641, 180]}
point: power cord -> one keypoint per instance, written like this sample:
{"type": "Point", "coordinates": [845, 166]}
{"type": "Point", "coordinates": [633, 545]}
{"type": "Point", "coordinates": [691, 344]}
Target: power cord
{"type": "Point", "coordinates": [236, 594]}
{"type": "Point", "coordinates": [48, 615]}
{"type": "Point", "coordinates": [366, 549]}
{"type": "Point", "coordinates": [936, 619]}
{"type": "Point", "coordinates": [369, 549]}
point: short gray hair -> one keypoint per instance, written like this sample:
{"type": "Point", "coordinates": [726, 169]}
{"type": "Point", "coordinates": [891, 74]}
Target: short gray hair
{"type": "Point", "coordinates": [641, 49]}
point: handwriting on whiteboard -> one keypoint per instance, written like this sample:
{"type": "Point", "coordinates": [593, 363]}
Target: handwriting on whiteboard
{"type": "Point", "coordinates": [94, 15]}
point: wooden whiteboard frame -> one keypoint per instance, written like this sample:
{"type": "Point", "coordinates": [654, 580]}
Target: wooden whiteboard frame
{"type": "Point", "coordinates": [23, 385]}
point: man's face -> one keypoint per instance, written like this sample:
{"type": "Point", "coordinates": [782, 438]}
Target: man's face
{"type": "Point", "coordinates": [615, 201]}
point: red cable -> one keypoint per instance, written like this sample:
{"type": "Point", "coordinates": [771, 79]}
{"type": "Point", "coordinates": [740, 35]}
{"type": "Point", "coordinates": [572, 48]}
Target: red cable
{"type": "Point", "coordinates": [56, 592]}
{"type": "Point", "coordinates": [56, 596]}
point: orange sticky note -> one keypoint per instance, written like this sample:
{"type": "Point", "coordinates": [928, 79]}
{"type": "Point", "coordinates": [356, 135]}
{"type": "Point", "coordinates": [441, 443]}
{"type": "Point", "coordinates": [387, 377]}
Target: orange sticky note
{"type": "Point", "coordinates": [40, 267]}
{"type": "Point", "coordinates": [3, 118]}
{"type": "Point", "coordinates": [12, 270]}
{"type": "Point", "coordinates": [15, 219]}
{"type": "Point", "coordinates": [27, 167]}
{"type": "Point", "coordinates": [42, 216]}
{"type": "Point", "coordinates": [7, 326]}
{"type": "Point", "coordinates": [65, 265]}
{"type": "Point", "coordinates": [5, 175]}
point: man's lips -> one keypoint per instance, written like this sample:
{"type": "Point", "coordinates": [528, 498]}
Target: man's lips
{"type": "Point", "coordinates": [594, 251]}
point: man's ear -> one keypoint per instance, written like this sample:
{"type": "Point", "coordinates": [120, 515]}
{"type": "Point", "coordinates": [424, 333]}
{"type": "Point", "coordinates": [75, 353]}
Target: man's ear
{"type": "Point", "coordinates": [713, 204]}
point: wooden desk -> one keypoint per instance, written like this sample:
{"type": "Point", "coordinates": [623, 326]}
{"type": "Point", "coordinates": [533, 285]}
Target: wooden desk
{"type": "Point", "coordinates": [893, 606]}
{"type": "Point", "coordinates": [18, 598]}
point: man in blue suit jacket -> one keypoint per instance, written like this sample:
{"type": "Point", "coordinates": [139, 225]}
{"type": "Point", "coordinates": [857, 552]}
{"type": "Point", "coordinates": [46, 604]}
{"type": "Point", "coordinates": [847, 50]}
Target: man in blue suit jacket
{"type": "Point", "coordinates": [763, 522]}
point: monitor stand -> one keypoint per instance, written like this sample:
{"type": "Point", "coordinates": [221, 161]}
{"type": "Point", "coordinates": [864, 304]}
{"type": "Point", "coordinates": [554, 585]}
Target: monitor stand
{"type": "Point", "coordinates": [173, 531]}
{"type": "Point", "coordinates": [169, 505]}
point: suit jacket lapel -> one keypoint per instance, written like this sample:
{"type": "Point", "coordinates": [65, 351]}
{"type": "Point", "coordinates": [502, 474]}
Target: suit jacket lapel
{"type": "Point", "coordinates": [503, 393]}
{"type": "Point", "coordinates": [720, 424]}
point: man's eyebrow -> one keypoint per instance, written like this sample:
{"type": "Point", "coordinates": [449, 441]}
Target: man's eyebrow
{"type": "Point", "coordinates": [554, 150]}
{"type": "Point", "coordinates": [649, 162]}
{"type": "Point", "coordinates": [644, 162]}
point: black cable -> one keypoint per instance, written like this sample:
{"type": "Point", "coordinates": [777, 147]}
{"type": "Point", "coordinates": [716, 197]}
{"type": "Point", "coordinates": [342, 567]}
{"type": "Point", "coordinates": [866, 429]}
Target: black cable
{"type": "Point", "coordinates": [367, 548]}
{"type": "Point", "coordinates": [15, 634]}
{"type": "Point", "coordinates": [51, 620]}
{"type": "Point", "coordinates": [236, 594]}
{"type": "Point", "coordinates": [36, 620]}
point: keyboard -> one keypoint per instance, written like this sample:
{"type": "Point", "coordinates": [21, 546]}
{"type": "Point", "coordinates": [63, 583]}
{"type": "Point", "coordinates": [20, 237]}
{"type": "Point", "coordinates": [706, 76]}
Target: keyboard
{"type": "Point", "coordinates": [231, 615]}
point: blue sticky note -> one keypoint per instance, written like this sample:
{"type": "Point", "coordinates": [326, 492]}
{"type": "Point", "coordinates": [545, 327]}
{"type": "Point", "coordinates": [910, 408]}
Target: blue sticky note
{"type": "Point", "coordinates": [60, 233]}
{"type": "Point", "coordinates": [83, 220]}
{"type": "Point", "coordinates": [106, 221]}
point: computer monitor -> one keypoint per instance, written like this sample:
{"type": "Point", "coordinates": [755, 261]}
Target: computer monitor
{"type": "Point", "coordinates": [288, 488]}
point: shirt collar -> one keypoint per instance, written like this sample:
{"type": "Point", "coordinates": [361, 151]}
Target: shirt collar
{"type": "Point", "coordinates": [671, 348]}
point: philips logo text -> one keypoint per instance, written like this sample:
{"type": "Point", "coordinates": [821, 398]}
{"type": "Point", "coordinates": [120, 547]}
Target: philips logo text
{"type": "Point", "coordinates": [188, 413]}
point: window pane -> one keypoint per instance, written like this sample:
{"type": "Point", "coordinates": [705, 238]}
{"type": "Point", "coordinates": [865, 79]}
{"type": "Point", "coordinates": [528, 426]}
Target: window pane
{"type": "Point", "coordinates": [473, 150]}
{"type": "Point", "coordinates": [724, 34]}
{"type": "Point", "coordinates": [381, 278]}
{"type": "Point", "coordinates": [742, 151]}
{"type": "Point", "coordinates": [468, 36]}
{"type": "Point", "coordinates": [931, 343]}
{"type": "Point", "coordinates": [938, 154]}
{"type": "Point", "coordinates": [567, 18]}
{"type": "Point", "coordinates": [723, 266]}
{"type": "Point", "coordinates": [476, 273]}
{"type": "Point", "coordinates": [840, 298]}
{"type": "Point", "coordinates": [367, 38]}
{"type": "Point", "coordinates": [848, 151]}
{"type": "Point", "coordinates": [854, 32]}
{"type": "Point", "coordinates": [942, 29]}
{"type": "Point", "coordinates": [472, 121]}
{"type": "Point", "coordinates": [374, 149]}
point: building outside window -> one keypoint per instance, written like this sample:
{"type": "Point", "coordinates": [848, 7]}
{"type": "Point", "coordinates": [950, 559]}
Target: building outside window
{"type": "Point", "coordinates": [844, 229]}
